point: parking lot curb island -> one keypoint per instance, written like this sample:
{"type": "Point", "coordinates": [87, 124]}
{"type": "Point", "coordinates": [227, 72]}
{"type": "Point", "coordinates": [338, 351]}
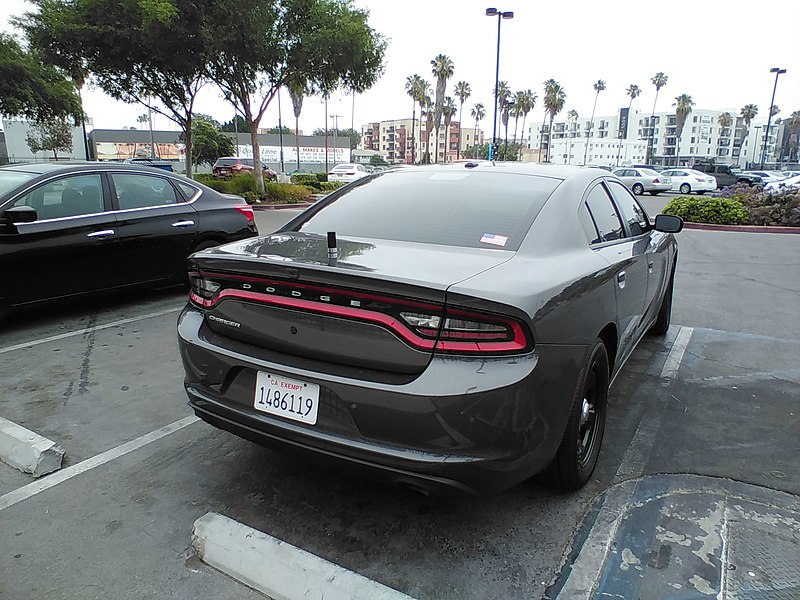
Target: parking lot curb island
{"type": "Point", "coordinates": [28, 451]}
{"type": "Point", "coordinates": [276, 568]}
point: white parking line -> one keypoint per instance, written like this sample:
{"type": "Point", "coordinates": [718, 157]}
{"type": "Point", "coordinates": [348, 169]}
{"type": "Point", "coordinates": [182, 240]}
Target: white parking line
{"type": "Point", "coordinates": [27, 491]}
{"type": "Point", "coordinates": [61, 336]}
{"type": "Point", "coordinates": [277, 568]}
{"type": "Point", "coordinates": [676, 353]}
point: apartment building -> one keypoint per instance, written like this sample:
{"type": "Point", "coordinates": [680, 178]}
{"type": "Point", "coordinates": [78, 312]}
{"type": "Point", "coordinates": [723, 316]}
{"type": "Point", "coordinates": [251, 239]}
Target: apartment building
{"type": "Point", "coordinates": [703, 138]}
{"type": "Point", "coordinates": [395, 141]}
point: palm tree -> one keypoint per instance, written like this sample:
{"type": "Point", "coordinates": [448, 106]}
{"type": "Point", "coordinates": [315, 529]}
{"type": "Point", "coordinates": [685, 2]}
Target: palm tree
{"type": "Point", "coordinates": [747, 113]}
{"type": "Point", "coordinates": [504, 114]}
{"type": "Point", "coordinates": [412, 89]}
{"type": "Point", "coordinates": [659, 80]}
{"type": "Point", "coordinates": [548, 86]}
{"type": "Point", "coordinates": [633, 92]}
{"type": "Point", "coordinates": [478, 113]}
{"type": "Point", "coordinates": [297, 90]}
{"type": "Point", "coordinates": [526, 101]}
{"type": "Point", "coordinates": [442, 69]}
{"type": "Point", "coordinates": [554, 101]}
{"type": "Point", "coordinates": [423, 91]}
{"type": "Point", "coordinates": [790, 146]}
{"type": "Point", "coordinates": [462, 92]}
{"type": "Point", "coordinates": [598, 86]}
{"type": "Point", "coordinates": [428, 127]}
{"type": "Point", "coordinates": [683, 106]}
{"type": "Point", "coordinates": [725, 120]}
{"type": "Point", "coordinates": [572, 117]}
{"type": "Point", "coordinates": [449, 111]}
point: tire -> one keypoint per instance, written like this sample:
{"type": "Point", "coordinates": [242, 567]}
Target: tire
{"type": "Point", "coordinates": [654, 193]}
{"type": "Point", "coordinates": [661, 326]}
{"type": "Point", "coordinates": [638, 189]}
{"type": "Point", "coordinates": [685, 188]}
{"type": "Point", "coordinates": [701, 193]}
{"type": "Point", "coordinates": [577, 454]}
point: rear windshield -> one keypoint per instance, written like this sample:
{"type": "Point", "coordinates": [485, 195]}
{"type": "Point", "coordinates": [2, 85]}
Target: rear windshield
{"type": "Point", "coordinates": [227, 162]}
{"type": "Point", "coordinates": [11, 179]}
{"type": "Point", "coordinates": [471, 209]}
{"type": "Point", "coordinates": [344, 168]}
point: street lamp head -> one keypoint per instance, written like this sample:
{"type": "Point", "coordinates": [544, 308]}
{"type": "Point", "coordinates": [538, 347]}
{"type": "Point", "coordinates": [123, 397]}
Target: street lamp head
{"type": "Point", "coordinates": [508, 14]}
{"type": "Point", "coordinates": [777, 70]}
{"type": "Point", "coordinates": [491, 12]}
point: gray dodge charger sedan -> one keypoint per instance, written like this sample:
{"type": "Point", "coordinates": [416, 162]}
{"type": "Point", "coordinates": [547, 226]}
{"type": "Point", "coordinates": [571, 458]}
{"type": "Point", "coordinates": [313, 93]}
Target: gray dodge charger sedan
{"type": "Point", "coordinates": [442, 328]}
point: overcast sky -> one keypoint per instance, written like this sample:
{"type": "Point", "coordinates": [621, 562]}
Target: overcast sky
{"type": "Point", "coordinates": [719, 52]}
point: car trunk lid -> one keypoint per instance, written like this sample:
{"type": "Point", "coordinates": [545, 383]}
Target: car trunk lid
{"type": "Point", "coordinates": [378, 306]}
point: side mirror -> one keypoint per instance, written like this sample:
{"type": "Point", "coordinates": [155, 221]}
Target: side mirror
{"type": "Point", "coordinates": [668, 223]}
{"type": "Point", "coordinates": [20, 214]}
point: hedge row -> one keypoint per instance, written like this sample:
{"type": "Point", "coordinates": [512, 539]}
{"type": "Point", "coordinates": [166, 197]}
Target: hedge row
{"type": "Point", "coordinates": [244, 185]}
{"type": "Point", "coordinates": [740, 205]}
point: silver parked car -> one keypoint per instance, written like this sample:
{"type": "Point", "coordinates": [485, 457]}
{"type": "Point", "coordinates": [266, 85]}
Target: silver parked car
{"type": "Point", "coordinates": [643, 180]}
{"type": "Point", "coordinates": [442, 328]}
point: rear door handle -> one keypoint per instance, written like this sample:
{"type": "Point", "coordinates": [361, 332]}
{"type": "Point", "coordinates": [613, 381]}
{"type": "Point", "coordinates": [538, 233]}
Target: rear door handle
{"type": "Point", "coordinates": [621, 279]}
{"type": "Point", "coordinates": [101, 234]}
{"type": "Point", "coordinates": [183, 223]}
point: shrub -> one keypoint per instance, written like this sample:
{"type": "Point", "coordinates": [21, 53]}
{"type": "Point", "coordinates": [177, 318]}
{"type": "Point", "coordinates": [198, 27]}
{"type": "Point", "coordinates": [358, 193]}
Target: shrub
{"type": "Point", "coordinates": [321, 177]}
{"type": "Point", "coordinates": [764, 208]}
{"type": "Point", "coordinates": [719, 211]}
{"type": "Point", "coordinates": [307, 179]}
{"type": "Point", "coordinates": [287, 193]}
{"type": "Point", "coordinates": [329, 186]}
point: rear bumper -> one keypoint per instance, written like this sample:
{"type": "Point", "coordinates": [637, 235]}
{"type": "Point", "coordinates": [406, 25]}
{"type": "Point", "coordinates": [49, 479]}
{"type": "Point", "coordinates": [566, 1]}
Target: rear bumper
{"type": "Point", "coordinates": [464, 426]}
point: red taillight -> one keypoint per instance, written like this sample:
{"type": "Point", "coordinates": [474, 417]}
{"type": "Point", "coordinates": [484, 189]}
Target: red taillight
{"type": "Point", "coordinates": [422, 325]}
{"type": "Point", "coordinates": [247, 211]}
{"type": "Point", "coordinates": [656, 180]}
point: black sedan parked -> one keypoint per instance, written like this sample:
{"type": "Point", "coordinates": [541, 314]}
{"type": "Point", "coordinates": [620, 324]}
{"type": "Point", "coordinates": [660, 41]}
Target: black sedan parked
{"type": "Point", "coordinates": [442, 328]}
{"type": "Point", "coordinates": [72, 229]}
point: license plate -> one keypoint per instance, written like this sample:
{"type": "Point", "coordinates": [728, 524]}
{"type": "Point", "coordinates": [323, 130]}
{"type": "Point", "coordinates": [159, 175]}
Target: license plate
{"type": "Point", "coordinates": [288, 398]}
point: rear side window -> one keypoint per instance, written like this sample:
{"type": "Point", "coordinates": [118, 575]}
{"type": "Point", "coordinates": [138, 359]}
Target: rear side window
{"type": "Point", "coordinates": [604, 215]}
{"type": "Point", "coordinates": [143, 191]}
{"type": "Point", "coordinates": [470, 209]}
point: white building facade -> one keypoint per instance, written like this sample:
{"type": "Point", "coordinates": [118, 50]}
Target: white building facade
{"type": "Point", "coordinates": [702, 139]}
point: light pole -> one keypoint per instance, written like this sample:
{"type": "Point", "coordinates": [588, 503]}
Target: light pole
{"type": "Point", "coordinates": [493, 12]}
{"type": "Point", "coordinates": [335, 119]}
{"type": "Point", "coordinates": [755, 144]}
{"type": "Point", "coordinates": [777, 71]}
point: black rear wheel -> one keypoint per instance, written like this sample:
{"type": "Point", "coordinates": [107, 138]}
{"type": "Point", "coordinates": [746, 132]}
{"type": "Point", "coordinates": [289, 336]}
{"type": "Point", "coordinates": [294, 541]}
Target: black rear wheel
{"type": "Point", "coordinates": [577, 455]}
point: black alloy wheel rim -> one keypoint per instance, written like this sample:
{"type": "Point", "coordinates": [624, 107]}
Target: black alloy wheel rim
{"type": "Point", "coordinates": [588, 420]}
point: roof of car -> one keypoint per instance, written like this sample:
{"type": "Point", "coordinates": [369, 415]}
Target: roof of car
{"type": "Point", "coordinates": [519, 168]}
{"type": "Point", "coordinates": [48, 168]}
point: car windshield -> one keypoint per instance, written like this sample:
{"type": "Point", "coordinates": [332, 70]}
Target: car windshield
{"type": "Point", "coordinates": [469, 209]}
{"type": "Point", "coordinates": [11, 179]}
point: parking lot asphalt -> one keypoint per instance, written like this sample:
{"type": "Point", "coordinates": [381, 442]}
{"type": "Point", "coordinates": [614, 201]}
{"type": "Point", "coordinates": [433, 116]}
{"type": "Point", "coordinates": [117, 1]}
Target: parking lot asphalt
{"type": "Point", "coordinates": [96, 376]}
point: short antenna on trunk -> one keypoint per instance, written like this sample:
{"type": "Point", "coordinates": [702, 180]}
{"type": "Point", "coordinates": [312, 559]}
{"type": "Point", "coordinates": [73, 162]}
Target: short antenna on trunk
{"type": "Point", "coordinates": [333, 250]}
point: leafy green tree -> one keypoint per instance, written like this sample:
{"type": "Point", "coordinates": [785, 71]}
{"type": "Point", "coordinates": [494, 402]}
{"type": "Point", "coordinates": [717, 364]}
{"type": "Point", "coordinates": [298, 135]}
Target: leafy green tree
{"type": "Point", "coordinates": [504, 153]}
{"type": "Point", "coordinates": [598, 86]}
{"type": "Point", "coordinates": [525, 102]}
{"type": "Point", "coordinates": [151, 52]}
{"type": "Point", "coordinates": [262, 46]}
{"type": "Point", "coordinates": [276, 129]}
{"type": "Point", "coordinates": [442, 69]}
{"type": "Point", "coordinates": [429, 110]}
{"type": "Point", "coordinates": [376, 160]}
{"type": "Point", "coordinates": [53, 135]}
{"type": "Point", "coordinates": [422, 92]}
{"type": "Point", "coordinates": [463, 91]}
{"type": "Point", "coordinates": [549, 85]}
{"type": "Point", "coordinates": [236, 124]}
{"type": "Point", "coordinates": [355, 137]}
{"type": "Point", "coordinates": [32, 88]}
{"type": "Point", "coordinates": [683, 106]}
{"type": "Point", "coordinates": [659, 80]}
{"type": "Point", "coordinates": [209, 142]}
{"type": "Point", "coordinates": [297, 92]}
{"type": "Point", "coordinates": [503, 95]}
{"type": "Point", "coordinates": [791, 137]}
